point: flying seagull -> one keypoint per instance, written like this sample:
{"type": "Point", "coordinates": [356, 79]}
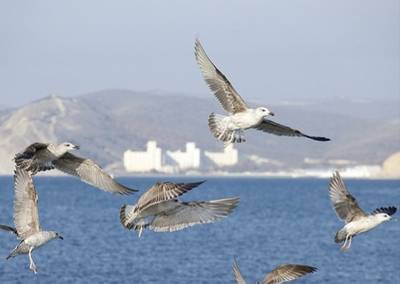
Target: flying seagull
{"type": "Point", "coordinates": [347, 209]}
{"type": "Point", "coordinates": [281, 274]}
{"type": "Point", "coordinates": [26, 219]}
{"type": "Point", "coordinates": [159, 209]}
{"type": "Point", "coordinates": [41, 157]}
{"type": "Point", "coordinates": [230, 129]}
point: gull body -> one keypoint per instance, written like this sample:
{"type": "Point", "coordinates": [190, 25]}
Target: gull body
{"type": "Point", "coordinates": [26, 219]}
{"type": "Point", "coordinates": [230, 128]}
{"type": "Point", "coordinates": [246, 119]}
{"type": "Point", "coordinates": [347, 209]}
{"type": "Point", "coordinates": [40, 156]}
{"type": "Point", "coordinates": [34, 242]}
{"type": "Point", "coordinates": [47, 156]}
{"type": "Point", "coordinates": [159, 210]}
{"type": "Point", "coordinates": [366, 224]}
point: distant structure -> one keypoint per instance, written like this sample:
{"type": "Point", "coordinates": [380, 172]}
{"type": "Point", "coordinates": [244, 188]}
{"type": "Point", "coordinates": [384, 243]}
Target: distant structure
{"type": "Point", "coordinates": [190, 159]}
{"type": "Point", "coordinates": [147, 161]}
{"type": "Point", "coordinates": [391, 167]}
{"type": "Point", "coordinates": [228, 158]}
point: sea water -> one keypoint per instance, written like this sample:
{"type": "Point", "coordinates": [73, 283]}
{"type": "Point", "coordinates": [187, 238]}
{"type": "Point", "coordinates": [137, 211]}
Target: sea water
{"type": "Point", "coordinates": [277, 221]}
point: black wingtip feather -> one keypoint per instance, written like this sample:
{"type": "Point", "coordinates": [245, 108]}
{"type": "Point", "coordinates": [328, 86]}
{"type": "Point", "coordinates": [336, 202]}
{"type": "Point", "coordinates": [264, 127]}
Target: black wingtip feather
{"type": "Point", "coordinates": [131, 190]}
{"type": "Point", "coordinates": [124, 190]}
{"type": "Point", "coordinates": [313, 269]}
{"type": "Point", "coordinates": [317, 138]}
{"type": "Point", "coordinates": [391, 210]}
{"type": "Point", "coordinates": [197, 183]}
{"type": "Point", "coordinates": [9, 229]}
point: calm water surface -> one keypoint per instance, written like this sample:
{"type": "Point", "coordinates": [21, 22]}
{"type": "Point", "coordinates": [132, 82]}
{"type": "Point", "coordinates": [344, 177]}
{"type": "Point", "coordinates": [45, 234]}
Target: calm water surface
{"type": "Point", "coordinates": [277, 221]}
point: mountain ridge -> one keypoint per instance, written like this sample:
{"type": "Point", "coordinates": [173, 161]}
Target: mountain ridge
{"type": "Point", "coordinates": [108, 122]}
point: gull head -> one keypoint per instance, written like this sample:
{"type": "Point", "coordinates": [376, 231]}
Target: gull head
{"type": "Point", "coordinates": [55, 235]}
{"type": "Point", "coordinates": [68, 146]}
{"type": "Point", "coordinates": [264, 112]}
{"type": "Point", "coordinates": [59, 236]}
{"type": "Point", "coordinates": [384, 214]}
{"type": "Point", "coordinates": [383, 217]}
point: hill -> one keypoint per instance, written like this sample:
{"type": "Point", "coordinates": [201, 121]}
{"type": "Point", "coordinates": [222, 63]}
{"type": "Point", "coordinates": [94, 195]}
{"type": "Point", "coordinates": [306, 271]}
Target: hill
{"type": "Point", "coordinates": [108, 122]}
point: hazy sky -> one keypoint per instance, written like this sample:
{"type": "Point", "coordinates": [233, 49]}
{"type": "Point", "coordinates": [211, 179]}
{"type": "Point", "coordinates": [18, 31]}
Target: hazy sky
{"type": "Point", "coordinates": [270, 50]}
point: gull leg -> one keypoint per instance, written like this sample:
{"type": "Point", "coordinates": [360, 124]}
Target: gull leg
{"type": "Point", "coordinates": [344, 244]}
{"type": "Point", "coordinates": [347, 243]}
{"type": "Point", "coordinates": [241, 136]}
{"type": "Point", "coordinates": [238, 138]}
{"type": "Point", "coordinates": [32, 265]}
{"type": "Point", "coordinates": [233, 137]}
{"type": "Point", "coordinates": [140, 230]}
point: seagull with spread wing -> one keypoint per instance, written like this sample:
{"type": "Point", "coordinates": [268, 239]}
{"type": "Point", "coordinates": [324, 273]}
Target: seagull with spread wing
{"type": "Point", "coordinates": [47, 156]}
{"type": "Point", "coordinates": [26, 219]}
{"type": "Point", "coordinates": [347, 209]}
{"type": "Point", "coordinates": [230, 129]}
{"type": "Point", "coordinates": [159, 210]}
{"type": "Point", "coordinates": [281, 274]}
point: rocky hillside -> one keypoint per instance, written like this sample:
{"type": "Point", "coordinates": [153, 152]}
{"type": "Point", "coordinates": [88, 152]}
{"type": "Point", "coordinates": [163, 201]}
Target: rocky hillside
{"type": "Point", "coordinates": [107, 123]}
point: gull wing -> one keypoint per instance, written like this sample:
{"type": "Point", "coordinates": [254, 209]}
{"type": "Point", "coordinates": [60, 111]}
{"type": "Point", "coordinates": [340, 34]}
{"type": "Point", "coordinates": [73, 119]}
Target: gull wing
{"type": "Point", "coordinates": [164, 191]}
{"type": "Point", "coordinates": [345, 204]}
{"type": "Point", "coordinates": [236, 272]}
{"type": "Point", "coordinates": [187, 214]}
{"type": "Point", "coordinates": [27, 159]}
{"type": "Point", "coordinates": [9, 229]}
{"type": "Point", "coordinates": [90, 173]}
{"type": "Point", "coordinates": [26, 216]}
{"type": "Point", "coordinates": [218, 83]}
{"type": "Point", "coordinates": [281, 130]}
{"type": "Point", "coordinates": [287, 272]}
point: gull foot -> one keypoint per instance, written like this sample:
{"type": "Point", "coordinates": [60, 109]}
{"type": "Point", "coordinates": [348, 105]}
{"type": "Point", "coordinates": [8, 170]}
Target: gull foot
{"type": "Point", "coordinates": [33, 268]}
{"type": "Point", "coordinates": [345, 248]}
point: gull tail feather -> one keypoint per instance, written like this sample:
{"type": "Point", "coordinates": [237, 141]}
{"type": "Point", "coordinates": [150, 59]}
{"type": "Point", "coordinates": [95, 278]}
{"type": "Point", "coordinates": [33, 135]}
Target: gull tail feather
{"type": "Point", "coordinates": [340, 235]}
{"type": "Point", "coordinates": [219, 128]}
{"type": "Point", "coordinates": [124, 215]}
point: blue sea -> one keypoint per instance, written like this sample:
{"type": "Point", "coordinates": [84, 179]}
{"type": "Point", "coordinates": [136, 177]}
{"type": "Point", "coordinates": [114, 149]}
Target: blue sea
{"type": "Point", "coordinates": [277, 221]}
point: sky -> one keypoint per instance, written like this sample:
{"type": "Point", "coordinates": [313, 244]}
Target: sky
{"type": "Point", "coordinates": [270, 50]}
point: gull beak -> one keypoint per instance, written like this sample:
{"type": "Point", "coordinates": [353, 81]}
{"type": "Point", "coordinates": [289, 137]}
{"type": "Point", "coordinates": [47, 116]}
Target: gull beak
{"type": "Point", "coordinates": [76, 147]}
{"type": "Point", "coordinates": [61, 237]}
{"type": "Point", "coordinates": [271, 113]}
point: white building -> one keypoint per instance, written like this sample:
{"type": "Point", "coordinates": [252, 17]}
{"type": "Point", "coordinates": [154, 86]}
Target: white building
{"type": "Point", "coordinates": [227, 158]}
{"type": "Point", "coordinates": [189, 159]}
{"type": "Point", "coordinates": [149, 160]}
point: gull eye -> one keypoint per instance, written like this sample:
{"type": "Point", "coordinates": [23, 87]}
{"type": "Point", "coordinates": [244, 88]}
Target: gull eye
{"type": "Point", "coordinates": [263, 110]}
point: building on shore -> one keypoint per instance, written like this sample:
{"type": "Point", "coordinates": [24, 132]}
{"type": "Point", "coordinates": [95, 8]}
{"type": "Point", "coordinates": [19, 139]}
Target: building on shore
{"type": "Point", "coordinates": [144, 161]}
{"type": "Point", "coordinates": [228, 158]}
{"type": "Point", "coordinates": [185, 160]}
{"type": "Point", "coordinates": [154, 160]}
